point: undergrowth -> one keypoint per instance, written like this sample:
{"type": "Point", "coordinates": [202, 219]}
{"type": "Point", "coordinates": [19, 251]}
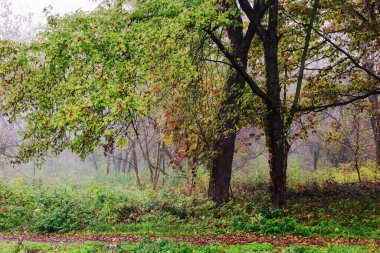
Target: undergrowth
{"type": "Point", "coordinates": [330, 209]}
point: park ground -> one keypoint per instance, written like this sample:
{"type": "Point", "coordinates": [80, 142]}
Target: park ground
{"type": "Point", "coordinates": [326, 215]}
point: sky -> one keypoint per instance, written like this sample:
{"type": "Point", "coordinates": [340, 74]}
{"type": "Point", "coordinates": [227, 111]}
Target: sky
{"type": "Point", "coordinates": [59, 6]}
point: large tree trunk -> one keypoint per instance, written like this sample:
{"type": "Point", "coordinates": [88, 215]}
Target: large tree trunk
{"type": "Point", "coordinates": [224, 146]}
{"type": "Point", "coordinates": [221, 170]}
{"type": "Point", "coordinates": [221, 165]}
{"type": "Point", "coordinates": [274, 122]}
{"type": "Point", "coordinates": [278, 149]}
{"type": "Point", "coordinates": [375, 122]}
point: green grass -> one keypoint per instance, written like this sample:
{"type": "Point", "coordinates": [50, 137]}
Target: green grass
{"type": "Point", "coordinates": [165, 246]}
{"type": "Point", "coordinates": [329, 210]}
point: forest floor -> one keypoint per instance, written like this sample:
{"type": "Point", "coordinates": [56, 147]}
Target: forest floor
{"type": "Point", "coordinates": [320, 218]}
{"type": "Point", "coordinates": [222, 243]}
{"type": "Point", "coordinates": [229, 239]}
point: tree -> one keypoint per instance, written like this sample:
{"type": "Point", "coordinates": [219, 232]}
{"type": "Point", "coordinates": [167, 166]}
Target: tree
{"type": "Point", "coordinates": [76, 86]}
{"type": "Point", "coordinates": [349, 132]}
{"type": "Point", "coordinates": [361, 23]}
{"type": "Point", "coordinates": [91, 75]}
{"type": "Point", "coordinates": [375, 123]}
{"type": "Point", "coordinates": [15, 27]}
{"type": "Point", "coordinates": [268, 19]}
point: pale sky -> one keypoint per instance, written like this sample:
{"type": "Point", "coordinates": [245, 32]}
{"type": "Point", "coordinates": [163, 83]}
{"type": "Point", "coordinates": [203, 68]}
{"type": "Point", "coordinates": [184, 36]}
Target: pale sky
{"type": "Point", "coordinates": [59, 6]}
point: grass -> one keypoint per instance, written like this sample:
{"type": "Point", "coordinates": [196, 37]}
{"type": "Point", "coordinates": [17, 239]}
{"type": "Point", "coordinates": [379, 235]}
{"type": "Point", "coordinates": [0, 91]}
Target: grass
{"type": "Point", "coordinates": [165, 246]}
{"type": "Point", "coordinates": [321, 204]}
{"type": "Point", "coordinates": [329, 210]}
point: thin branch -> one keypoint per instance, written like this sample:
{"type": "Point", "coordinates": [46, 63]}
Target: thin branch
{"type": "Point", "coordinates": [357, 64]}
{"type": "Point", "coordinates": [341, 103]}
{"type": "Point", "coordinates": [350, 57]}
{"type": "Point", "coordinates": [217, 61]}
{"type": "Point", "coordinates": [248, 37]}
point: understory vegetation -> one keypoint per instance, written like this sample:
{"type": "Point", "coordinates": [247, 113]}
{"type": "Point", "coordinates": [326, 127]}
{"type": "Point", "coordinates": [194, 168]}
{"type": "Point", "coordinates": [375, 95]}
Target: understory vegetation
{"type": "Point", "coordinates": [329, 209]}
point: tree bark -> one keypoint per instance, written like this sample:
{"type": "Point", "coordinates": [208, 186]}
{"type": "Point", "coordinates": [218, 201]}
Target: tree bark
{"type": "Point", "coordinates": [95, 160]}
{"type": "Point", "coordinates": [221, 170]}
{"type": "Point", "coordinates": [275, 126]}
{"type": "Point", "coordinates": [228, 117]}
{"type": "Point", "coordinates": [278, 149]}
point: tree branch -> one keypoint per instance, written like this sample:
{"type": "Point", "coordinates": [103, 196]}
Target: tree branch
{"type": "Point", "coordinates": [303, 61]}
{"type": "Point", "coordinates": [252, 84]}
{"type": "Point", "coordinates": [341, 103]}
{"type": "Point", "coordinates": [217, 61]}
{"type": "Point", "coordinates": [254, 14]}
{"type": "Point", "coordinates": [357, 64]}
{"type": "Point", "coordinates": [248, 37]}
{"type": "Point", "coordinates": [351, 58]}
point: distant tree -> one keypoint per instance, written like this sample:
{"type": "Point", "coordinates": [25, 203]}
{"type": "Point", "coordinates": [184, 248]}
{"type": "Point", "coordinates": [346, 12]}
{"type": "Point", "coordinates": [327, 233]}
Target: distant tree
{"type": "Point", "coordinates": [375, 123]}
{"type": "Point", "coordinates": [360, 21]}
{"type": "Point", "coordinates": [14, 26]}
{"type": "Point", "coordinates": [349, 136]}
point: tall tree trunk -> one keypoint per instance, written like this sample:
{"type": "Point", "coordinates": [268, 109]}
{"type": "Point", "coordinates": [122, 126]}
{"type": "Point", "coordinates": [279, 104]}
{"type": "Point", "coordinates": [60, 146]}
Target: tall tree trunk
{"type": "Point", "coordinates": [375, 122]}
{"type": "Point", "coordinates": [163, 167]}
{"type": "Point", "coordinates": [278, 149]}
{"type": "Point", "coordinates": [274, 122]}
{"type": "Point", "coordinates": [145, 153]}
{"type": "Point", "coordinates": [316, 153]}
{"type": "Point", "coordinates": [224, 146]}
{"type": "Point", "coordinates": [135, 164]}
{"type": "Point", "coordinates": [114, 161]}
{"type": "Point", "coordinates": [221, 170]}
